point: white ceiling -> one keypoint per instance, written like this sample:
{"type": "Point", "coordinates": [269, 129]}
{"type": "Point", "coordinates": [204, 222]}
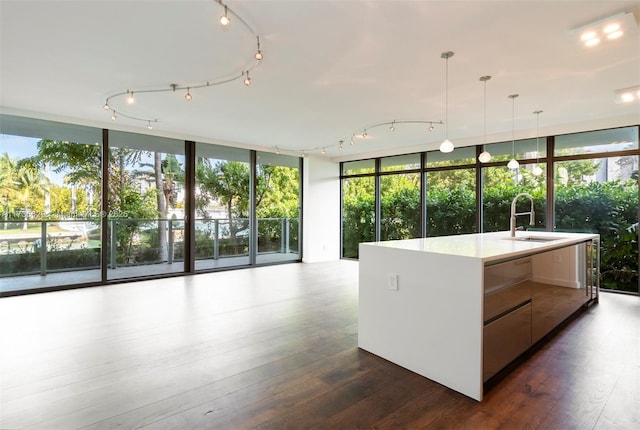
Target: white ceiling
{"type": "Point", "coordinates": [331, 68]}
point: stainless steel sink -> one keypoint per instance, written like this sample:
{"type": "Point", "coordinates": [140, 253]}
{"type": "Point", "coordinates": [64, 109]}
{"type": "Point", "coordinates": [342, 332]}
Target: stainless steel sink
{"type": "Point", "coordinates": [534, 238]}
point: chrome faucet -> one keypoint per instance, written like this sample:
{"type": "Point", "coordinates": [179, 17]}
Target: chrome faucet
{"type": "Point", "coordinates": [531, 213]}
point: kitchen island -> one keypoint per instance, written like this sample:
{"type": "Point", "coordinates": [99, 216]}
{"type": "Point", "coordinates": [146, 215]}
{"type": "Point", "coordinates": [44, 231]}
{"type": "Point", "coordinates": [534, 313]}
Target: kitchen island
{"type": "Point", "coordinates": [458, 309]}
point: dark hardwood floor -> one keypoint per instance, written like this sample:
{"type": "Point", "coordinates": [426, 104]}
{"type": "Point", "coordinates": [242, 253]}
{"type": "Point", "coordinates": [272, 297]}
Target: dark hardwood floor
{"type": "Point", "coordinates": [276, 348]}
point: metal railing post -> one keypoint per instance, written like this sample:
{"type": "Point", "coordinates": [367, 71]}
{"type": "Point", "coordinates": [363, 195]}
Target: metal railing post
{"type": "Point", "coordinates": [283, 239]}
{"type": "Point", "coordinates": [43, 248]}
{"type": "Point", "coordinates": [216, 238]}
{"type": "Point", "coordinates": [170, 242]}
{"type": "Point", "coordinates": [288, 233]}
{"type": "Point", "coordinates": [112, 246]}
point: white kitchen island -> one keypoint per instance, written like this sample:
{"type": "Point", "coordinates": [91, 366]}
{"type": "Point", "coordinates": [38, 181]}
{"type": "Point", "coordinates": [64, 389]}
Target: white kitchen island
{"type": "Point", "coordinates": [456, 309]}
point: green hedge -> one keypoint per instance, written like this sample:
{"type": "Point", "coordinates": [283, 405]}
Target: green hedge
{"type": "Point", "coordinates": [610, 209]}
{"type": "Point", "coordinates": [29, 263]}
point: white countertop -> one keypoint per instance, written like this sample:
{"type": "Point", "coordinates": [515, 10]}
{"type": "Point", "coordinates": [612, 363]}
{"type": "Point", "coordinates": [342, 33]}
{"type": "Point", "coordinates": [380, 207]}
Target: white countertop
{"type": "Point", "coordinates": [487, 246]}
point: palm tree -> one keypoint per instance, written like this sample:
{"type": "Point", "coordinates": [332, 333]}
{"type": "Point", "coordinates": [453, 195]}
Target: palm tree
{"type": "Point", "coordinates": [30, 182]}
{"type": "Point", "coordinates": [8, 182]}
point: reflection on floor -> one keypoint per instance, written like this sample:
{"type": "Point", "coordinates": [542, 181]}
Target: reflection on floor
{"type": "Point", "coordinates": [276, 347]}
{"type": "Point", "coordinates": [30, 282]}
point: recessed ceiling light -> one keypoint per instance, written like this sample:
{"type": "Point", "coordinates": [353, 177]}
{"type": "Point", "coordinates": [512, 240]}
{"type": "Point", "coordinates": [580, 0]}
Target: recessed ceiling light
{"type": "Point", "coordinates": [587, 35]}
{"type": "Point", "coordinates": [592, 42]}
{"type": "Point", "coordinates": [611, 28]}
{"type": "Point", "coordinates": [628, 95]}
{"type": "Point", "coordinates": [615, 34]}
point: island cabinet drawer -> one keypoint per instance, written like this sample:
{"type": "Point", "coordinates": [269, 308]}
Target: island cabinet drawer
{"type": "Point", "coordinates": [505, 299]}
{"type": "Point", "coordinates": [508, 273]}
{"type": "Point", "coordinates": [504, 339]}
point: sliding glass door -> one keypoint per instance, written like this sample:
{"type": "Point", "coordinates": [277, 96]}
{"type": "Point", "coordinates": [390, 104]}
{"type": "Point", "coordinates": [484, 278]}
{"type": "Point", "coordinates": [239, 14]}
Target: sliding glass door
{"type": "Point", "coordinates": [146, 205]}
{"type": "Point", "coordinates": [277, 194]}
{"type": "Point", "coordinates": [50, 197]}
{"type": "Point", "coordinates": [222, 227]}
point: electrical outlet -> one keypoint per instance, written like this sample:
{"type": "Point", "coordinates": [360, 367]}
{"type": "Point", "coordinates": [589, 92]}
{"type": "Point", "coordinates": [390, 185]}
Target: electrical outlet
{"type": "Point", "coordinates": [392, 281]}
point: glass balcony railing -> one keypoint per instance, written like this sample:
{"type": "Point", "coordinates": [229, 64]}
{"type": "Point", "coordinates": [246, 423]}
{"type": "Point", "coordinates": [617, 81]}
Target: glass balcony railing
{"type": "Point", "coordinates": [32, 247]}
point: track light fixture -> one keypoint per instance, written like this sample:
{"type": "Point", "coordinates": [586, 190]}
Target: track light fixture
{"type": "Point", "coordinates": [391, 127]}
{"type": "Point", "coordinates": [446, 146]}
{"type": "Point", "coordinates": [485, 156]}
{"type": "Point", "coordinates": [258, 55]}
{"type": "Point", "coordinates": [513, 163]}
{"type": "Point", "coordinates": [243, 74]}
{"type": "Point", "coordinates": [224, 19]}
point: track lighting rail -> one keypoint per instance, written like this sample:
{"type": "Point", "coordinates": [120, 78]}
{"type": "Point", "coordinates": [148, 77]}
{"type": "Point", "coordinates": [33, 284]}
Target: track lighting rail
{"type": "Point", "coordinates": [360, 134]}
{"type": "Point", "coordinates": [229, 16]}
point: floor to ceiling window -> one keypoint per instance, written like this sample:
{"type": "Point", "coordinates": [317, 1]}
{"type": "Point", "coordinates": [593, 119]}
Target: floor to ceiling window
{"type": "Point", "coordinates": [222, 206]}
{"type": "Point", "coordinates": [358, 205]}
{"type": "Point", "coordinates": [451, 192]}
{"type": "Point", "coordinates": [581, 182]}
{"type": "Point", "coordinates": [146, 205]}
{"type": "Point", "coordinates": [400, 197]}
{"type": "Point", "coordinates": [596, 191]}
{"type": "Point", "coordinates": [51, 195]}
{"type": "Point", "coordinates": [59, 230]}
{"type": "Point", "coordinates": [278, 207]}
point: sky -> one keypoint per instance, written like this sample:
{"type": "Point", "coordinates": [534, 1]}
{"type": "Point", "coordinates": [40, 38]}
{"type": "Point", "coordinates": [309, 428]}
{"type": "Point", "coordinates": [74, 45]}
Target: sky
{"type": "Point", "coordinates": [23, 147]}
{"type": "Point", "coordinates": [18, 146]}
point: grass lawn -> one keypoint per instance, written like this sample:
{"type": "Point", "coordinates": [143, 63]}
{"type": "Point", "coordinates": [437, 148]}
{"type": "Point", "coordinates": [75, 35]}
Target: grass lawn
{"type": "Point", "coordinates": [31, 228]}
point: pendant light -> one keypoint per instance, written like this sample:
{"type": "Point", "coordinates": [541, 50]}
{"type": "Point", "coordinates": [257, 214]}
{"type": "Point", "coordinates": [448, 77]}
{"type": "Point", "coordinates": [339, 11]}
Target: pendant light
{"type": "Point", "coordinates": [485, 156]}
{"type": "Point", "coordinates": [537, 170]}
{"type": "Point", "coordinates": [446, 146]}
{"type": "Point", "coordinates": [513, 163]}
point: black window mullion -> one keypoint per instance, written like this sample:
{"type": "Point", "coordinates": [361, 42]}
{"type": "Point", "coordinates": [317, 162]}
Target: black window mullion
{"type": "Point", "coordinates": [423, 195]}
{"type": "Point", "coordinates": [378, 203]}
{"type": "Point", "coordinates": [551, 202]}
{"type": "Point", "coordinates": [104, 220]}
{"type": "Point", "coordinates": [479, 193]}
{"type": "Point", "coordinates": [189, 244]}
{"type": "Point", "coordinates": [253, 220]}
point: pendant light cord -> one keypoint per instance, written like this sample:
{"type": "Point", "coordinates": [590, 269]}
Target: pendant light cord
{"type": "Point", "coordinates": [513, 125]}
{"type": "Point", "coordinates": [446, 99]}
{"type": "Point", "coordinates": [537, 136]}
{"type": "Point", "coordinates": [485, 113]}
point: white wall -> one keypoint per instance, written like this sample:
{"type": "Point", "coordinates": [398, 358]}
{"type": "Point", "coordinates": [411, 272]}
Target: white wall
{"type": "Point", "coordinates": [321, 210]}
